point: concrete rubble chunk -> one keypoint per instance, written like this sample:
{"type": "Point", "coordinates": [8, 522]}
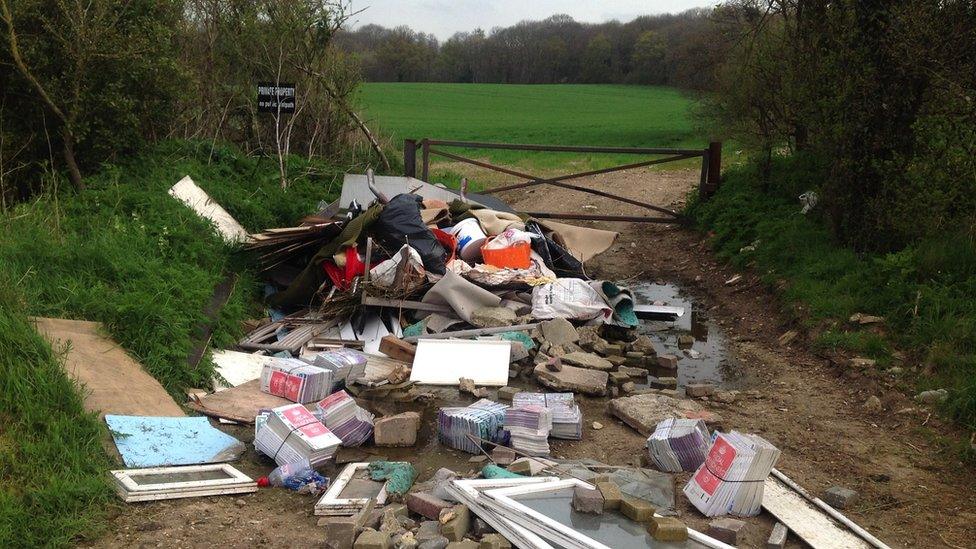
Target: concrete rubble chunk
{"type": "Point", "coordinates": [644, 412]}
{"type": "Point", "coordinates": [558, 331]}
{"type": "Point", "coordinates": [617, 360]}
{"type": "Point", "coordinates": [426, 505]}
{"type": "Point", "coordinates": [494, 541]}
{"type": "Point", "coordinates": [664, 383]}
{"type": "Point", "coordinates": [554, 364]}
{"type": "Point", "coordinates": [587, 360]}
{"type": "Point", "coordinates": [506, 394]}
{"type": "Point", "coordinates": [637, 510]}
{"type": "Point", "coordinates": [340, 531]}
{"type": "Point", "coordinates": [577, 380]}
{"type": "Point", "coordinates": [526, 466]}
{"type": "Point", "coordinates": [611, 494]}
{"type": "Point", "coordinates": [371, 539]}
{"type": "Point", "coordinates": [493, 317]}
{"type": "Point", "coordinates": [589, 339]}
{"type": "Point", "coordinates": [698, 390]}
{"type": "Point", "coordinates": [725, 397]}
{"type": "Point", "coordinates": [463, 544]}
{"type": "Point", "coordinates": [685, 341]}
{"type": "Point", "coordinates": [726, 530]}
{"type": "Point", "coordinates": [455, 522]}
{"type": "Point", "coordinates": [839, 497]}
{"type": "Point", "coordinates": [405, 541]}
{"type": "Point", "coordinates": [873, 405]}
{"type": "Point", "coordinates": [439, 542]}
{"type": "Point", "coordinates": [777, 538]}
{"type": "Point", "coordinates": [503, 455]}
{"type": "Point", "coordinates": [634, 372]}
{"type": "Point", "coordinates": [618, 378]}
{"type": "Point", "coordinates": [398, 430]}
{"type": "Point", "coordinates": [668, 362]}
{"type": "Point", "coordinates": [644, 345]}
{"type": "Point", "coordinates": [587, 500]}
{"type": "Point", "coordinates": [428, 529]}
{"type": "Point", "coordinates": [627, 387]}
{"type": "Point", "coordinates": [667, 529]}
{"type": "Point", "coordinates": [862, 363]}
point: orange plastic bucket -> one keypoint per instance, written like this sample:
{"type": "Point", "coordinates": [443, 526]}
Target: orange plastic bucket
{"type": "Point", "coordinates": [512, 257]}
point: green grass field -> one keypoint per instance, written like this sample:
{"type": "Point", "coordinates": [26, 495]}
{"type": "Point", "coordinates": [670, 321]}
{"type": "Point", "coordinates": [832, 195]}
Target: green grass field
{"type": "Point", "coordinates": [631, 116]}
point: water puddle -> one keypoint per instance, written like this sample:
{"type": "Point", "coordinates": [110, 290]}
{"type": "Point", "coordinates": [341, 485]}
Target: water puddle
{"type": "Point", "coordinates": [707, 359]}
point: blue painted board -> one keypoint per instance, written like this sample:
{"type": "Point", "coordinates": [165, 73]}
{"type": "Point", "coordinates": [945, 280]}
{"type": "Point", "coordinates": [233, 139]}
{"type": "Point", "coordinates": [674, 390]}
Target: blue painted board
{"type": "Point", "coordinates": [162, 441]}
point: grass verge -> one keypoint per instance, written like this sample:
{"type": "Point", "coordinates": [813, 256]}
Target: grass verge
{"type": "Point", "coordinates": [925, 291]}
{"type": "Point", "coordinates": [128, 255]}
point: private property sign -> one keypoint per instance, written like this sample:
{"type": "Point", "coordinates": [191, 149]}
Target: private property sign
{"type": "Point", "coordinates": [276, 97]}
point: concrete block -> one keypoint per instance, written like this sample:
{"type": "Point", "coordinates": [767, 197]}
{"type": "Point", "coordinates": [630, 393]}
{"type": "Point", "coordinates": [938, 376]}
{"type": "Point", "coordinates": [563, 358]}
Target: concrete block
{"type": "Point", "coordinates": [611, 494]}
{"type": "Point", "coordinates": [503, 456]}
{"type": "Point", "coordinates": [398, 430]}
{"type": "Point", "coordinates": [455, 522]}
{"type": "Point", "coordinates": [726, 530]}
{"type": "Point", "coordinates": [777, 538]}
{"type": "Point", "coordinates": [637, 510]}
{"type": "Point", "coordinates": [587, 500]}
{"type": "Point", "coordinates": [839, 497]}
{"type": "Point", "coordinates": [426, 505]}
{"type": "Point", "coordinates": [371, 539]}
{"type": "Point", "coordinates": [463, 544]}
{"type": "Point", "coordinates": [506, 394]}
{"type": "Point", "coordinates": [667, 361]}
{"type": "Point", "coordinates": [558, 331]}
{"type": "Point", "coordinates": [667, 529]}
{"type": "Point", "coordinates": [664, 383]}
{"type": "Point", "coordinates": [494, 541]}
{"type": "Point", "coordinates": [698, 390]}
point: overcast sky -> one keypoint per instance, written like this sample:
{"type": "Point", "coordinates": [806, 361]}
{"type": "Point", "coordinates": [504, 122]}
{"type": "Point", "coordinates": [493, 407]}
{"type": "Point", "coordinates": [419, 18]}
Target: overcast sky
{"type": "Point", "coordinates": [445, 17]}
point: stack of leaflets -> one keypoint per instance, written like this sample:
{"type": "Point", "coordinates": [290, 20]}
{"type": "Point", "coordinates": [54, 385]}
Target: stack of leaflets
{"type": "Point", "coordinates": [483, 419]}
{"type": "Point", "coordinates": [295, 380]}
{"type": "Point", "coordinates": [529, 428]}
{"type": "Point", "coordinates": [567, 420]}
{"type": "Point", "coordinates": [291, 433]}
{"type": "Point", "coordinates": [678, 444]}
{"type": "Point", "coordinates": [346, 365]}
{"type": "Point", "coordinates": [346, 419]}
{"type": "Point", "coordinates": [730, 480]}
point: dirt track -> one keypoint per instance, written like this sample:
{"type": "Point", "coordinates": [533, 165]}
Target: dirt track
{"type": "Point", "coordinates": [913, 490]}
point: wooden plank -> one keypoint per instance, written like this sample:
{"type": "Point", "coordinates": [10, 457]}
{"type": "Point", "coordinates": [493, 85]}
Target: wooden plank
{"type": "Point", "coordinates": [112, 382]}
{"type": "Point", "coordinates": [805, 519]}
{"type": "Point", "coordinates": [238, 404]}
{"type": "Point", "coordinates": [394, 347]}
{"type": "Point", "coordinates": [405, 304]}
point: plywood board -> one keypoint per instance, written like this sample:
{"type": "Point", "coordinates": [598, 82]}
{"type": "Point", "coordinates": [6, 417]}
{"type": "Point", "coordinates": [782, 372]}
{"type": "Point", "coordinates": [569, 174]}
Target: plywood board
{"type": "Point", "coordinates": [445, 361]}
{"type": "Point", "coordinates": [163, 441]}
{"type": "Point", "coordinates": [237, 368]}
{"type": "Point", "coordinates": [238, 404]}
{"type": "Point", "coordinates": [112, 382]}
{"type": "Point", "coordinates": [187, 192]}
{"type": "Point", "coordinates": [806, 520]}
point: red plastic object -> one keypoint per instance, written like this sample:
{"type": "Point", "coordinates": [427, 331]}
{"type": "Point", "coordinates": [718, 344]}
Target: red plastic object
{"type": "Point", "coordinates": [449, 241]}
{"type": "Point", "coordinates": [513, 257]}
{"type": "Point", "coordinates": [263, 482]}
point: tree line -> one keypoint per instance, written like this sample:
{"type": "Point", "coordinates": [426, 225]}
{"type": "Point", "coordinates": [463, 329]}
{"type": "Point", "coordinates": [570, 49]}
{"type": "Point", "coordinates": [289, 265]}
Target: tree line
{"type": "Point", "coordinates": [673, 49]}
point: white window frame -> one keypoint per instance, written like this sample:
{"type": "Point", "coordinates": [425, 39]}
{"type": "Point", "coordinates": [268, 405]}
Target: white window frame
{"type": "Point", "coordinates": [469, 493]}
{"type": "Point", "coordinates": [330, 504]}
{"type": "Point", "coordinates": [129, 490]}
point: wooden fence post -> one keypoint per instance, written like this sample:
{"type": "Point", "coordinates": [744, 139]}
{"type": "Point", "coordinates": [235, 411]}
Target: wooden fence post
{"type": "Point", "coordinates": [409, 158]}
{"type": "Point", "coordinates": [714, 166]}
{"type": "Point", "coordinates": [425, 144]}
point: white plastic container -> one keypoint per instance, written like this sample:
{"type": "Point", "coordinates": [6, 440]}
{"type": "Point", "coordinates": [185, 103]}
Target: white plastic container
{"type": "Point", "coordinates": [470, 237]}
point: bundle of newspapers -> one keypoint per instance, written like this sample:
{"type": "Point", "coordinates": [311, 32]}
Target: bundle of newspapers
{"type": "Point", "coordinates": [730, 480]}
{"type": "Point", "coordinates": [346, 419]}
{"type": "Point", "coordinates": [291, 433]}
{"type": "Point", "coordinates": [295, 380]}
{"type": "Point", "coordinates": [528, 427]}
{"type": "Point", "coordinates": [346, 365]}
{"type": "Point", "coordinates": [678, 444]}
{"type": "Point", "coordinates": [567, 420]}
{"type": "Point", "coordinates": [483, 419]}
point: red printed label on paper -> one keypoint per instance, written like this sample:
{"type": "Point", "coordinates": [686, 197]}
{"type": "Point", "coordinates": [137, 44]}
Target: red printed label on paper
{"type": "Point", "coordinates": [717, 465]}
{"type": "Point", "coordinates": [302, 419]}
{"type": "Point", "coordinates": [285, 385]}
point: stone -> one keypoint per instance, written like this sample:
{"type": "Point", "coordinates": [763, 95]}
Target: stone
{"type": "Point", "coordinates": [519, 352]}
{"type": "Point", "coordinates": [456, 526]}
{"type": "Point", "coordinates": [726, 530]}
{"type": "Point", "coordinates": [466, 385]}
{"type": "Point", "coordinates": [936, 396]}
{"type": "Point", "coordinates": [406, 541]}
{"type": "Point", "coordinates": [669, 362]}
{"type": "Point", "coordinates": [872, 405]}
{"type": "Point", "coordinates": [464, 544]}
{"type": "Point", "coordinates": [398, 430]}
{"type": "Point", "coordinates": [611, 494]}
{"type": "Point", "coordinates": [617, 360]}
{"type": "Point", "coordinates": [637, 510]}
{"type": "Point", "coordinates": [618, 378]}
{"type": "Point", "coordinates": [340, 531]}
{"type": "Point", "coordinates": [725, 397]}
{"type": "Point", "coordinates": [667, 529]}
{"type": "Point", "coordinates": [636, 355]}
{"type": "Point", "coordinates": [493, 317]}
{"type": "Point", "coordinates": [664, 383]}
{"type": "Point", "coordinates": [480, 528]}
{"type": "Point", "coordinates": [615, 349]}
{"type": "Point", "coordinates": [440, 542]}
{"type": "Point", "coordinates": [506, 394]}
{"type": "Point", "coordinates": [426, 505]}
{"type": "Point", "coordinates": [587, 360]}
{"type": "Point", "coordinates": [390, 522]}
{"type": "Point", "coordinates": [863, 319]}
{"type": "Point", "coordinates": [554, 364]}
{"type": "Point", "coordinates": [643, 344]}
{"type": "Point", "coordinates": [698, 390]}
{"type": "Point", "coordinates": [428, 529]}
{"type": "Point", "coordinates": [643, 412]}
{"type": "Point", "coordinates": [589, 339]}
{"type": "Point", "coordinates": [597, 426]}
{"type": "Point", "coordinates": [862, 363]}
{"type": "Point", "coordinates": [526, 466]}
{"type": "Point", "coordinates": [587, 500]}
{"type": "Point", "coordinates": [839, 497]}
{"type": "Point", "coordinates": [630, 371]}
{"type": "Point", "coordinates": [710, 418]}
{"type": "Point", "coordinates": [577, 380]}
{"type": "Point", "coordinates": [558, 331]}
{"type": "Point", "coordinates": [628, 387]}
{"type": "Point", "coordinates": [777, 538]}
{"type": "Point", "coordinates": [371, 539]}
{"type": "Point", "coordinates": [494, 541]}
{"type": "Point", "coordinates": [400, 374]}
{"type": "Point", "coordinates": [685, 341]}
{"type": "Point", "coordinates": [503, 455]}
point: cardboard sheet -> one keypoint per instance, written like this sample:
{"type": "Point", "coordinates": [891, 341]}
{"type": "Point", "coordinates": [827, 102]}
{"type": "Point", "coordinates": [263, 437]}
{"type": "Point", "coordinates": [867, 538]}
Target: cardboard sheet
{"type": "Point", "coordinates": [583, 242]}
{"type": "Point", "coordinates": [112, 382]}
{"type": "Point", "coordinates": [161, 441]}
{"type": "Point", "coordinates": [446, 361]}
{"type": "Point", "coordinates": [187, 192]}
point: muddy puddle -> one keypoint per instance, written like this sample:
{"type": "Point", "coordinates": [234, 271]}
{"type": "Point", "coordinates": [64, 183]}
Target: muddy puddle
{"type": "Point", "coordinates": [707, 359]}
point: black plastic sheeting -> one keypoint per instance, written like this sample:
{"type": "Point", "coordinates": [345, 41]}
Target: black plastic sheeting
{"type": "Point", "coordinates": [400, 223]}
{"type": "Point", "coordinates": [555, 256]}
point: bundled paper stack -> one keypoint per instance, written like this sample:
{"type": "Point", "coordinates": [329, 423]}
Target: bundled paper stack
{"type": "Point", "coordinates": [529, 428]}
{"type": "Point", "coordinates": [346, 419]}
{"type": "Point", "coordinates": [291, 433]}
{"type": "Point", "coordinates": [678, 444]}
{"type": "Point", "coordinates": [295, 380]}
{"type": "Point", "coordinates": [483, 419]}
{"type": "Point", "coordinates": [730, 480]}
{"type": "Point", "coordinates": [346, 365]}
{"type": "Point", "coordinates": [567, 420]}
